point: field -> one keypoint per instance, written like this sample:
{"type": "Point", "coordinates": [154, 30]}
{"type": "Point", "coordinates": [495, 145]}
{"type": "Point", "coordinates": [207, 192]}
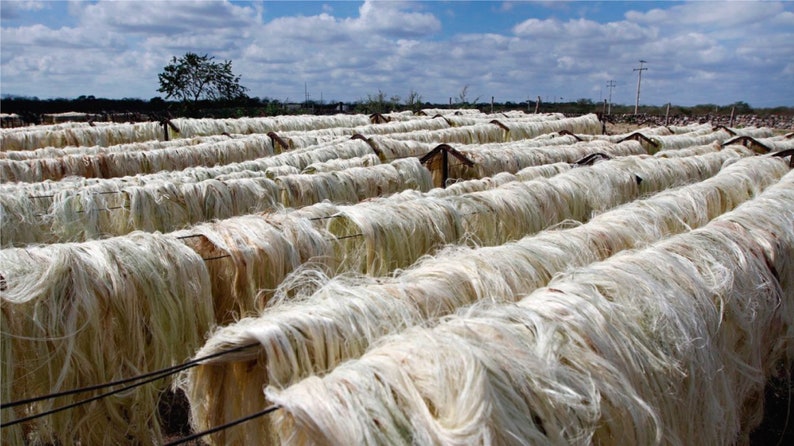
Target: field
{"type": "Point", "coordinates": [444, 277]}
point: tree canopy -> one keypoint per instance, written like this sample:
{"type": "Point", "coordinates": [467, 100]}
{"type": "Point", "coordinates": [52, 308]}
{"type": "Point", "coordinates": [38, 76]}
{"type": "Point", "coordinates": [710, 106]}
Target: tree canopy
{"type": "Point", "coordinates": [192, 78]}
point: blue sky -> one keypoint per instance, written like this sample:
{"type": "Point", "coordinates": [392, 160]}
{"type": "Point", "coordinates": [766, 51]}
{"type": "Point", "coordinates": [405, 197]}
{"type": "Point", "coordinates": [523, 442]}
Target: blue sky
{"type": "Point", "coordinates": [698, 52]}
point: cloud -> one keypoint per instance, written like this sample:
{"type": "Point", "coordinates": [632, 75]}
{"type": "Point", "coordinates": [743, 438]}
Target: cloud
{"type": "Point", "coordinates": [506, 6]}
{"type": "Point", "coordinates": [391, 19]}
{"type": "Point", "coordinates": [695, 51]}
{"type": "Point", "coordinates": [11, 9]}
{"type": "Point", "coordinates": [166, 18]}
{"type": "Point", "coordinates": [715, 15]}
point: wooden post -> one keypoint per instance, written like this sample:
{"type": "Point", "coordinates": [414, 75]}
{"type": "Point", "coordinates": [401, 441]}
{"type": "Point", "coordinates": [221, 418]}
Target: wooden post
{"type": "Point", "coordinates": [537, 105]}
{"type": "Point", "coordinates": [447, 150]}
{"type": "Point", "coordinates": [491, 104]}
{"type": "Point", "coordinates": [733, 109]}
{"type": "Point", "coordinates": [165, 130]}
{"type": "Point", "coordinates": [444, 168]}
{"type": "Point", "coordinates": [667, 115]}
{"type": "Point", "coordinates": [604, 108]}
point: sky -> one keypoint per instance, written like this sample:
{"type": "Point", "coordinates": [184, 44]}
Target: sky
{"type": "Point", "coordinates": [697, 52]}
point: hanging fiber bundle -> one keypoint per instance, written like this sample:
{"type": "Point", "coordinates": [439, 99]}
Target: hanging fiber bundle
{"type": "Point", "coordinates": [251, 255]}
{"type": "Point", "coordinates": [196, 127]}
{"type": "Point", "coordinates": [58, 152]}
{"type": "Point", "coordinates": [378, 236]}
{"type": "Point", "coordinates": [118, 164]}
{"type": "Point", "coordinates": [689, 151]}
{"type": "Point", "coordinates": [79, 135]}
{"type": "Point", "coordinates": [513, 157]}
{"type": "Point", "coordinates": [667, 142]}
{"type": "Point", "coordinates": [83, 314]}
{"type": "Point", "coordinates": [279, 171]}
{"type": "Point", "coordinates": [461, 187]}
{"type": "Point", "coordinates": [607, 354]}
{"type": "Point", "coordinates": [342, 164]}
{"type": "Point", "coordinates": [542, 171]}
{"type": "Point", "coordinates": [354, 184]}
{"type": "Point", "coordinates": [433, 287]}
{"type": "Point", "coordinates": [99, 210]}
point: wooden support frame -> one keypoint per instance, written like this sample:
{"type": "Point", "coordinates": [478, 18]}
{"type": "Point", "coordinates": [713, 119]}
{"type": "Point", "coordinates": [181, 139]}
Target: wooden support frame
{"type": "Point", "coordinates": [786, 153]}
{"type": "Point", "coordinates": [444, 150]}
{"type": "Point", "coordinates": [637, 136]}
{"type": "Point", "coordinates": [166, 123]}
{"type": "Point", "coordinates": [568, 132]}
{"type": "Point", "coordinates": [499, 123]}
{"type": "Point", "coordinates": [749, 142]}
{"type": "Point", "coordinates": [371, 145]}
{"type": "Point", "coordinates": [591, 159]}
{"type": "Point", "coordinates": [274, 138]}
{"type": "Point", "coordinates": [438, 115]}
{"type": "Point", "coordinates": [377, 118]}
{"type": "Point", "coordinates": [722, 127]}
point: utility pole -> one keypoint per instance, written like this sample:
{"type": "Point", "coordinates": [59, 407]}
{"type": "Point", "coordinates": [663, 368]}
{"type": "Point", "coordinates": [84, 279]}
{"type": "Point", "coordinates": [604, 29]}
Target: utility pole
{"type": "Point", "coordinates": [639, 82]}
{"type": "Point", "coordinates": [610, 85]}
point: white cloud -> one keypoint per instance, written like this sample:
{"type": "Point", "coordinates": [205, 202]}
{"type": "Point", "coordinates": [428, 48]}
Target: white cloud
{"type": "Point", "coordinates": [11, 9]}
{"type": "Point", "coordinates": [694, 50]}
{"type": "Point", "coordinates": [391, 19]}
{"type": "Point", "coordinates": [506, 6]}
{"type": "Point", "coordinates": [714, 14]}
{"type": "Point", "coordinates": [538, 28]}
{"type": "Point", "coordinates": [166, 18]}
{"type": "Point", "coordinates": [37, 36]}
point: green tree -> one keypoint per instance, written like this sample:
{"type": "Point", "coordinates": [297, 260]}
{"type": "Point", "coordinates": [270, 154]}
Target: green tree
{"type": "Point", "coordinates": [192, 78]}
{"type": "Point", "coordinates": [413, 101]}
{"type": "Point", "coordinates": [463, 97]}
{"type": "Point", "coordinates": [375, 103]}
{"type": "Point", "coordinates": [741, 108]}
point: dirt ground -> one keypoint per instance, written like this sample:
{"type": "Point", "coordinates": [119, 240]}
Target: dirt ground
{"type": "Point", "coordinates": [621, 128]}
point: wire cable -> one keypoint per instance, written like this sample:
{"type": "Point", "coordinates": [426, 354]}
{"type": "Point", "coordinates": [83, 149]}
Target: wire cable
{"type": "Point", "coordinates": [144, 379]}
{"type": "Point", "coordinates": [223, 426]}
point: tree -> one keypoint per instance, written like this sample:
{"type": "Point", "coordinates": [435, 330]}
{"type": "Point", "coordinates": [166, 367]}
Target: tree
{"type": "Point", "coordinates": [741, 108]}
{"type": "Point", "coordinates": [463, 97]}
{"type": "Point", "coordinates": [413, 101]}
{"type": "Point", "coordinates": [192, 78]}
{"type": "Point", "coordinates": [375, 103]}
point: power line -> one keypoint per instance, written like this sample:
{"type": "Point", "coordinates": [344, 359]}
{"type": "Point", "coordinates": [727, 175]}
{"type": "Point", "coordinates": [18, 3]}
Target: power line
{"type": "Point", "coordinates": [611, 84]}
{"type": "Point", "coordinates": [639, 81]}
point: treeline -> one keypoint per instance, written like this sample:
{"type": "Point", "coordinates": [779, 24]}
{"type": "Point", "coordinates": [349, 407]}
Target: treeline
{"type": "Point", "coordinates": [30, 109]}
